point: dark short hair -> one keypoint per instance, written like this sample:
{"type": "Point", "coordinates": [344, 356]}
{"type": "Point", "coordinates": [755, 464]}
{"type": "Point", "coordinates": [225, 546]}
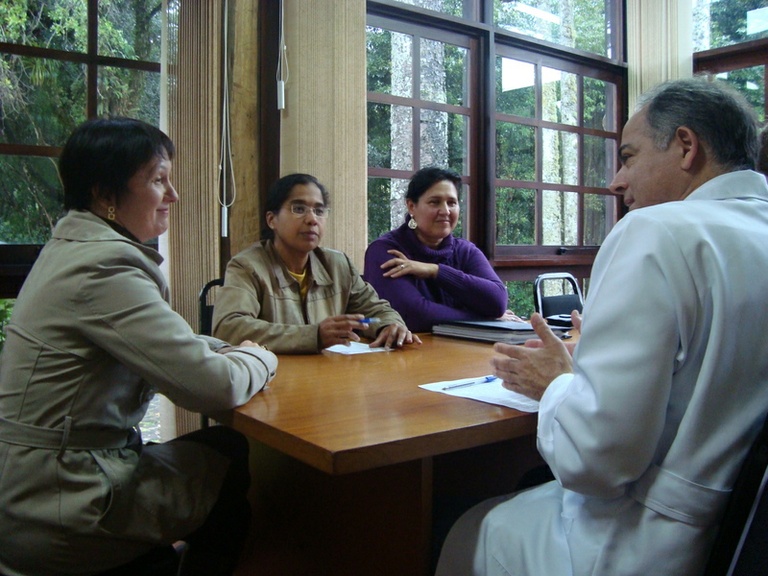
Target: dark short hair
{"type": "Point", "coordinates": [103, 154]}
{"type": "Point", "coordinates": [425, 178]}
{"type": "Point", "coordinates": [279, 193]}
{"type": "Point", "coordinates": [719, 115]}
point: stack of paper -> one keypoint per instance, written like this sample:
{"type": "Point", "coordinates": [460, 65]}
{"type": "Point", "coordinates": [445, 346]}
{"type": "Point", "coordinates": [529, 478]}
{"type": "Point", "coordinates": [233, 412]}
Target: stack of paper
{"type": "Point", "coordinates": [489, 330]}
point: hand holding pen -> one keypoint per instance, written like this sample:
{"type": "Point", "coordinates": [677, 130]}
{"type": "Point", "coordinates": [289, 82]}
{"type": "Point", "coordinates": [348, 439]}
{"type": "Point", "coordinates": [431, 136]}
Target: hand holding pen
{"type": "Point", "coordinates": [340, 329]}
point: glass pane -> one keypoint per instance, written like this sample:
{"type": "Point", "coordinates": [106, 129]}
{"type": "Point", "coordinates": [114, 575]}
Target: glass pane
{"type": "Point", "coordinates": [515, 87]}
{"type": "Point", "coordinates": [390, 144]}
{"type": "Point", "coordinates": [134, 93]}
{"type": "Point", "coordinates": [581, 24]}
{"type": "Point", "coordinates": [559, 96]}
{"type": "Point", "coordinates": [515, 151]}
{"type": "Point", "coordinates": [378, 48]}
{"type": "Point", "coordinates": [444, 69]}
{"type": "Point", "coordinates": [30, 199]}
{"type": "Point", "coordinates": [389, 62]}
{"type": "Point", "coordinates": [130, 30]}
{"type": "Point", "coordinates": [41, 100]}
{"type": "Point", "coordinates": [515, 216]}
{"type": "Point", "coordinates": [599, 210]}
{"type": "Point", "coordinates": [598, 157]}
{"type": "Point", "coordinates": [520, 298]}
{"type": "Point", "coordinates": [718, 23]}
{"type": "Point", "coordinates": [599, 103]}
{"type": "Point", "coordinates": [750, 82]}
{"type": "Point", "coordinates": [452, 7]}
{"type": "Point", "coordinates": [386, 205]}
{"type": "Point", "coordinates": [151, 424]}
{"type": "Point", "coordinates": [444, 140]}
{"type": "Point", "coordinates": [560, 155]}
{"type": "Point", "coordinates": [45, 24]}
{"type": "Point", "coordinates": [559, 218]}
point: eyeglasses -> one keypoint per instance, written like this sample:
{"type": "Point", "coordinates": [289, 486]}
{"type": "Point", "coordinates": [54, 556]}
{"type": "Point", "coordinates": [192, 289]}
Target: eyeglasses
{"type": "Point", "coordinates": [301, 210]}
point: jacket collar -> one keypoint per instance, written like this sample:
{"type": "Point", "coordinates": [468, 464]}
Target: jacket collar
{"type": "Point", "coordinates": [319, 272]}
{"type": "Point", "coordinates": [84, 226]}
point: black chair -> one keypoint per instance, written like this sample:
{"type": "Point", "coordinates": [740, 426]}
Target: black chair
{"type": "Point", "coordinates": [741, 547]}
{"type": "Point", "coordinates": [205, 301]}
{"type": "Point", "coordinates": [557, 308]}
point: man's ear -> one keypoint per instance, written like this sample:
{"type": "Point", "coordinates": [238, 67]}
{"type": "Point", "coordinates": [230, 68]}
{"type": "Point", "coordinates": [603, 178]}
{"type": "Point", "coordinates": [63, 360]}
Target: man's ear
{"type": "Point", "coordinates": [688, 143]}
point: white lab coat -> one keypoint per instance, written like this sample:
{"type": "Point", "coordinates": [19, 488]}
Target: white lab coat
{"type": "Point", "coordinates": [670, 387]}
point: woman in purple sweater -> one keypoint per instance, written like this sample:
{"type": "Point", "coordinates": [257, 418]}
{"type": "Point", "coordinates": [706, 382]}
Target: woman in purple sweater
{"type": "Point", "coordinates": [426, 273]}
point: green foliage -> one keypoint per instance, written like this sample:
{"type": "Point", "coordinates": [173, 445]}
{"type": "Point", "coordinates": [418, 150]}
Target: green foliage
{"type": "Point", "coordinates": [6, 307]}
{"type": "Point", "coordinates": [520, 298]}
{"type": "Point", "coordinates": [42, 100]}
{"type": "Point", "coordinates": [728, 22]}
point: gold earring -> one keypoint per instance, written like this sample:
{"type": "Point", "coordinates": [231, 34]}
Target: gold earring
{"type": "Point", "coordinates": [111, 213]}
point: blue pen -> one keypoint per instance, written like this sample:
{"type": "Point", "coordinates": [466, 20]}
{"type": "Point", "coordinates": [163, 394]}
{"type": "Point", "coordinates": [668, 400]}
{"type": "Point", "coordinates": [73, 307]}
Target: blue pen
{"type": "Point", "coordinates": [472, 383]}
{"type": "Point", "coordinates": [370, 320]}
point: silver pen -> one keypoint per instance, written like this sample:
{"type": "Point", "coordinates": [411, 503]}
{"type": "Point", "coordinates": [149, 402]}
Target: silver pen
{"type": "Point", "coordinates": [484, 380]}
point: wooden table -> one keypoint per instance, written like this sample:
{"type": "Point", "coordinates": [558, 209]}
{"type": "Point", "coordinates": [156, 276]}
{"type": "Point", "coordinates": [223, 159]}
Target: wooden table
{"type": "Point", "coordinates": [356, 468]}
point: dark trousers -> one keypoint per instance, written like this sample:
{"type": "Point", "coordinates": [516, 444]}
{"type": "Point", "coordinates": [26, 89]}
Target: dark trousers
{"type": "Point", "coordinates": [214, 549]}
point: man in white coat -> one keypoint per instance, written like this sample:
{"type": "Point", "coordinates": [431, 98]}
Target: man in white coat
{"type": "Point", "coordinates": [645, 428]}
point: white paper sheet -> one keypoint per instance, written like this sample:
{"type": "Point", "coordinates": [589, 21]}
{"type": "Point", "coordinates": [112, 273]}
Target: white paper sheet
{"type": "Point", "coordinates": [355, 348]}
{"type": "Point", "coordinates": [491, 392]}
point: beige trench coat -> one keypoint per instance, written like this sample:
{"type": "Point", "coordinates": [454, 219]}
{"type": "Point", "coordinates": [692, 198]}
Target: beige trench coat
{"type": "Point", "coordinates": [91, 339]}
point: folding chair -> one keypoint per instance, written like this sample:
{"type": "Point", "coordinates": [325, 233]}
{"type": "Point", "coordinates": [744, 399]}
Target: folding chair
{"type": "Point", "coordinates": [557, 308]}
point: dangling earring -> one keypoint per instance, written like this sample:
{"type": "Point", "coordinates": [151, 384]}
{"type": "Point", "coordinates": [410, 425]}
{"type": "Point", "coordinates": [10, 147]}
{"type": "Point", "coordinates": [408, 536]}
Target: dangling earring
{"type": "Point", "coordinates": [111, 213]}
{"type": "Point", "coordinates": [412, 224]}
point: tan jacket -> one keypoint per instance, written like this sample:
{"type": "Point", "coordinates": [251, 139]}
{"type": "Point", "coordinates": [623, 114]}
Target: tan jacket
{"type": "Point", "coordinates": [91, 339]}
{"type": "Point", "coordinates": [260, 300]}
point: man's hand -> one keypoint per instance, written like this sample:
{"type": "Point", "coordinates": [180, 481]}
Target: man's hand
{"type": "Point", "coordinates": [529, 370]}
{"type": "Point", "coordinates": [395, 336]}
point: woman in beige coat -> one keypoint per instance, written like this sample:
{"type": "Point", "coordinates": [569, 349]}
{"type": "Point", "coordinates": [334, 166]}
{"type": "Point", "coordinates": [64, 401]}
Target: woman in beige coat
{"type": "Point", "coordinates": [91, 339]}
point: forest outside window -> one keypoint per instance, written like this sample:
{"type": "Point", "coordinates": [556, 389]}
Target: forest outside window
{"type": "Point", "coordinates": [61, 62]}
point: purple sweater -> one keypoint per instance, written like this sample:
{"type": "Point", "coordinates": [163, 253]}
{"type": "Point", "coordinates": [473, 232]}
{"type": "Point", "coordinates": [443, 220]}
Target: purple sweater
{"type": "Point", "coordinates": [466, 287]}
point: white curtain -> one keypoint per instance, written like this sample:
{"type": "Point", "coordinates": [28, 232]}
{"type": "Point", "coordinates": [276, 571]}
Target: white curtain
{"type": "Point", "coordinates": [659, 43]}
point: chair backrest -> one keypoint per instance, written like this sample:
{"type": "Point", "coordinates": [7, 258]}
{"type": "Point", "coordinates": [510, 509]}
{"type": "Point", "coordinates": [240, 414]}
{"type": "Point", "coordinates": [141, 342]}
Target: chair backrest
{"type": "Point", "coordinates": [740, 545]}
{"type": "Point", "coordinates": [205, 299]}
{"type": "Point", "coordinates": [560, 303]}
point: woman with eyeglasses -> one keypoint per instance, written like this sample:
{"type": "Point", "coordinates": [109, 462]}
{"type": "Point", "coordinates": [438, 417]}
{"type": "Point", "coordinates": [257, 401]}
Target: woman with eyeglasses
{"type": "Point", "coordinates": [291, 295]}
{"type": "Point", "coordinates": [426, 273]}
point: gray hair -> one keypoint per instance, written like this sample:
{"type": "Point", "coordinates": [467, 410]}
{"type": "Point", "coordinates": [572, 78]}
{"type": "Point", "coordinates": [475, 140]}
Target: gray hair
{"type": "Point", "coordinates": [719, 115]}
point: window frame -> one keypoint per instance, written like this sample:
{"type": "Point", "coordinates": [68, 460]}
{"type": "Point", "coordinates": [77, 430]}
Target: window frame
{"type": "Point", "coordinates": [735, 57]}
